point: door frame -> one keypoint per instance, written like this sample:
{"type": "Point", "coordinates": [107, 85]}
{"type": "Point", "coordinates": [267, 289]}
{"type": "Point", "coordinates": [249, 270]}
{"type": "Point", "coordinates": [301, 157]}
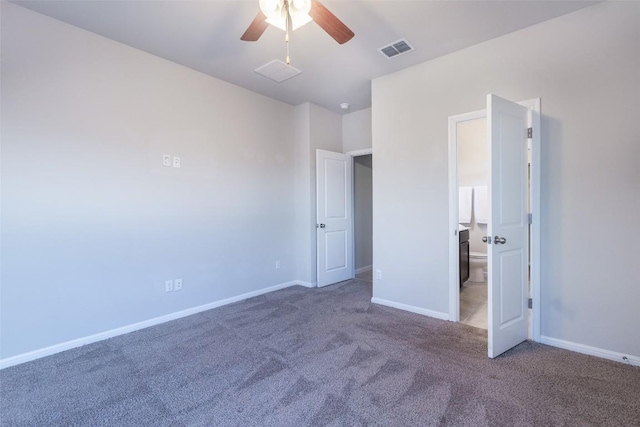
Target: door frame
{"type": "Point", "coordinates": [354, 154]}
{"type": "Point", "coordinates": [534, 106]}
{"type": "Point", "coordinates": [349, 225]}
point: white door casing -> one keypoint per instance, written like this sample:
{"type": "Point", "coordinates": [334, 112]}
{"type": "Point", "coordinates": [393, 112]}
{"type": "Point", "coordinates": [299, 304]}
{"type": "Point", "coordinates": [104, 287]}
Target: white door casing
{"type": "Point", "coordinates": [454, 239]}
{"type": "Point", "coordinates": [507, 124]}
{"type": "Point", "coordinates": [334, 217]}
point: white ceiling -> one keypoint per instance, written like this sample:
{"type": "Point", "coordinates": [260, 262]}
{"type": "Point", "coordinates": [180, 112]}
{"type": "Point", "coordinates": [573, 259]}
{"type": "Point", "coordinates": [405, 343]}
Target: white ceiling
{"type": "Point", "coordinates": [205, 35]}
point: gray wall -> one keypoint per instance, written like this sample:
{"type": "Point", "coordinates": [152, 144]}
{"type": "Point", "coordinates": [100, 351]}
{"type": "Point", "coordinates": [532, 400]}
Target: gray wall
{"type": "Point", "coordinates": [363, 211]}
{"type": "Point", "coordinates": [586, 68]}
{"type": "Point", "coordinates": [92, 223]}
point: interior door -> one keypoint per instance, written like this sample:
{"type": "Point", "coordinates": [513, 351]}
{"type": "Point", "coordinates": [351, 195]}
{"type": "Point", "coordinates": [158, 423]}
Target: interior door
{"type": "Point", "coordinates": [507, 124]}
{"type": "Point", "coordinates": [334, 205]}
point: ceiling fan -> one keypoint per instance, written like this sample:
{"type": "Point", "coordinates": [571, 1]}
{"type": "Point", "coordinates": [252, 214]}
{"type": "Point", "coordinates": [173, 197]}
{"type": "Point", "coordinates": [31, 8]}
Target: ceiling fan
{"type": "Point", "coordinates": [289, 15]}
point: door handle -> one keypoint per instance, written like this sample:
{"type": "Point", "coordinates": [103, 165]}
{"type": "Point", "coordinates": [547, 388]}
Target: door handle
{"type": "Point", "coordinates": [320, 226]}
{"type": "Point", "coordinates": [497, 240]}
{"type": "Point", "coordinates": [486, 239]}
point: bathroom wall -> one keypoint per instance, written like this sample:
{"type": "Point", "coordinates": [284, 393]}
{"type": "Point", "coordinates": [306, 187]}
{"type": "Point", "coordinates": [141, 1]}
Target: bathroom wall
{"type": "Point", "coordinates": [473, 170]}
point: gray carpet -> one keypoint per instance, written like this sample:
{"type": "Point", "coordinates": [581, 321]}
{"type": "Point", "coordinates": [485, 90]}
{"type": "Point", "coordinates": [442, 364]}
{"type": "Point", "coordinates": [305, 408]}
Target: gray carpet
{"type": "Point", "coordinates": [316, 357]}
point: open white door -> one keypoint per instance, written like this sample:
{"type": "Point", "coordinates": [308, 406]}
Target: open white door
{"type": "Point", "coordinates": [507, 124]}
{"type": "Point", "coordinates": [334, 205]}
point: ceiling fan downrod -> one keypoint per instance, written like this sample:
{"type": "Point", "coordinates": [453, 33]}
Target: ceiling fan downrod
{"type": "Point", "coordinates": [287, 28]}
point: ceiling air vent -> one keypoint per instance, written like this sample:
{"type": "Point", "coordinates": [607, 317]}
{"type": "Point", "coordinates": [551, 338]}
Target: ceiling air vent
{"type": "Point", "coordinates": [396, 48]}
{"type": "Point", "coordinates": [277, 71]}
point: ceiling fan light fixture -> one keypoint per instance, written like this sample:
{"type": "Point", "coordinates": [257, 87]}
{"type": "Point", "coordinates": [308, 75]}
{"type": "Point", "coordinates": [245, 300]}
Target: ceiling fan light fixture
{"type": "Point", "coordinates": [276, 13]}
{"type": "Point", "coordinates": [271, 8]}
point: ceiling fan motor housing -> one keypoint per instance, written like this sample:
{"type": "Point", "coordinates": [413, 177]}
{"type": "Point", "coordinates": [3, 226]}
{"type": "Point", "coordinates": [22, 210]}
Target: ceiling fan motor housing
{"type": "Point", "coordinates": [276, 12]}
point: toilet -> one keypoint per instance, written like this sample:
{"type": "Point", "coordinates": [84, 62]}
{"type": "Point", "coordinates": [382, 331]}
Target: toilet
{"type": "Point", "coordinates": [477, 264]}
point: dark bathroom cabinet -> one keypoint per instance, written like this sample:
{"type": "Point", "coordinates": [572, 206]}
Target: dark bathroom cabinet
{"type": "Point", "coordinates": [464, 256]}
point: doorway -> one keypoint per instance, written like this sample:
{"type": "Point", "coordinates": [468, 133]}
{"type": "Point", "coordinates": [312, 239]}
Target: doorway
{"type": "Point", "coordinates": [473, 177]}
{"type": "Point", "coordinates": [338, 178]}
{"type": "Point", "coordinates": [507, 302]}
{"type": "Point", "coordinates": [363, 216]}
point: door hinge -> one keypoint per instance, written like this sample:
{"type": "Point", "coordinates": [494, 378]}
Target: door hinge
{"type": "Point", "coordinates": [529, 132]}
{"type": "Point", "coordinates": [530, 303]}
{"type": "Point", "coordinates": [530, 218]}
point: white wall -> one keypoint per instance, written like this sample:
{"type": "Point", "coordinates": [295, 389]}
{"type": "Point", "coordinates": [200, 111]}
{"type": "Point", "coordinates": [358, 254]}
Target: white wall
{"type": "Point", "coordinates": [325, 134]}
{"type": "Point", "coordinates": [314, 128]}
{"type": "Point", "coordinates": [356, 130]}
{"type": "Point", "coordinates": [586, 68]}
{"type": "Point", "coordinates": [304, 177]}
{"type": "Point", "coordinates": [92, 223]}
{"type": "Point", "coordinates": [356, 135]}
{"type": "Point", "coordinates": [363, 211]}
{"type": "Point", "coordinates": [318, 128]}
{"type": "Point", "coordinates": [473, 170]}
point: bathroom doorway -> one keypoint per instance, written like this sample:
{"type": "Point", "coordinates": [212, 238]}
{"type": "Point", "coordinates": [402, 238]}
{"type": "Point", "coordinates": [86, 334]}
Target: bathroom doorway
{"type": "Point", "coordinates": [473, 176]}
{"type": "Point", "coordinates": [515, 265]}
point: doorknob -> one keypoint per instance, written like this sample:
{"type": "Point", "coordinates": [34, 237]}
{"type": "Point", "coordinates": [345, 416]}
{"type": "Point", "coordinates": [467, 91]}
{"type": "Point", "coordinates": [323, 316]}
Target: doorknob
{"type": "Point", "coordinates": [498, 240]}
{"type": "Point", "coordinates": [320, 226]}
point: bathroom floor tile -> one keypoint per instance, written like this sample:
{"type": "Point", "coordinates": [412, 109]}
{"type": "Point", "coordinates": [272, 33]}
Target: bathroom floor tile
{"type": "Point", "coordinates": [473, 304]}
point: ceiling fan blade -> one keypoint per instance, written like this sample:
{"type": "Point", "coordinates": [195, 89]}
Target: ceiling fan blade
{"type": "Point", "coordinates": [256, 28]}
{"type": "Point", "coordinates": [328, 22]}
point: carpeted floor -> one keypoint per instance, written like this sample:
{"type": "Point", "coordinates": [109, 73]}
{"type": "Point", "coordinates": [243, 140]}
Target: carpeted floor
{"type": "Point", "coordinates": [316, 357]}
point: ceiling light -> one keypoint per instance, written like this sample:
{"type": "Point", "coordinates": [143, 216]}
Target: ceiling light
{"type": "Point", "coordinates": [344, 105]}
{"type": "Point", "coordinates": [276, 12]}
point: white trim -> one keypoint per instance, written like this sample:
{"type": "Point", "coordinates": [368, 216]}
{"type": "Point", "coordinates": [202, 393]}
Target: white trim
{"type": "Point", "coordinates": [364, 269]}
{"type": "Point", "coordinates": [357, 153]}
{"type": "Point", "coordinates": [354, 154]}
{"type": "Point", "coordinates": [353, 215]}
{"type": "Point", "coordinates": [329, 277]}
{"type": "Point", "coordinates": [79, 342]}
{"type": "Point", "coordinates": [307, 284]}
{"type": "Point", "coordinates": [591, 351]}
{"type": "Point", "coordinates": [534, 106]}
{"type": "Point", "coordinates": [411, 308]}
{"type": "Point", "coordinates": [454, 242]}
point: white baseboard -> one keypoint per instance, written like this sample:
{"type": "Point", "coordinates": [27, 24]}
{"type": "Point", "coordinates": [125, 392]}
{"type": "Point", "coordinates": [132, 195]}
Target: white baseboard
{"type": "Point", "coordinates": [591, 351]}
{"type": "Point", "coordinates": [411, 308]}
{"type": "Point", "coordinates": [57, 348]}
{"type": "Point", "coordinates": [307, 284]}
{"type": "Point", "coordinates": [364, 269]}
